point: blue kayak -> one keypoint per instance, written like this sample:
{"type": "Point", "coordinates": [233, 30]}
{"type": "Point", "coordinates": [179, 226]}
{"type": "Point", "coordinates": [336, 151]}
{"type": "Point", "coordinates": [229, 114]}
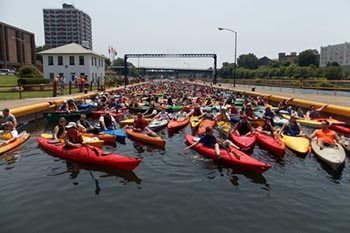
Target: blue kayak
{"type": "Point", "coordinates": [119, 133]}
{"type": "Point", "coordinates": [86, 106]}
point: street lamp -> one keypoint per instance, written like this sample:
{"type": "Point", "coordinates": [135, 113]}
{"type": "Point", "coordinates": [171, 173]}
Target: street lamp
{"type": "Point", "coordinates": [235, 63]}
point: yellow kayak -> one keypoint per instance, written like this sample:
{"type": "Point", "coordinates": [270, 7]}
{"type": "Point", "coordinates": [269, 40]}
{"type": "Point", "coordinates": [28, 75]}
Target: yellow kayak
{"type": "Point", "coordinates": [130, 121]}
{"type": "Point", "coordinates": [224, 126]}
{"type": "Point", "coordinates": [195, 121]}
{"type": "Point", "coordinates": [301, 145]}
{"type": "Point", "coordinates": [91, 141]}
{"type": "Point", "coordinates": [303, 121]}
{"type": "Point", "coordinates": [20, 140]}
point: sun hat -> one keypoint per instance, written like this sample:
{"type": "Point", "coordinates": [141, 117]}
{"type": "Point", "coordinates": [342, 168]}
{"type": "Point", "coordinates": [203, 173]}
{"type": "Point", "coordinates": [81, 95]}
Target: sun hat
{"type": "Point", "coordinates": [71, 125]}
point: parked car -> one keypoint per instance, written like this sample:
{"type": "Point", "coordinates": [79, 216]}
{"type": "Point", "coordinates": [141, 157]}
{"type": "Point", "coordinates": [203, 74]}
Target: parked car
{"type": "Point", "coordinates": [7, 72]}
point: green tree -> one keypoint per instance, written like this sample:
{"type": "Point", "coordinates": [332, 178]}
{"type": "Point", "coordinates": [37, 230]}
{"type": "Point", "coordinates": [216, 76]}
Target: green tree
{"type": "Point", "coordinates": [29, 71]}
{"type": "Point", "coordinates": [308, 57]}
{"type": "Point", "coordinates": [132, 69]}
{"type": "Point", "coordinates": [333, 72]}
{"type": "Point", "coordinates": [38, 49]}
{"type": "Point", "coordinates": [226, 71]}
{"type": "Point", "coordinates": [249, 61]}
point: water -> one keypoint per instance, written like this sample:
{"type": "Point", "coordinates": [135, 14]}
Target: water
{"type": "Point", "coordinates": [171, 191]}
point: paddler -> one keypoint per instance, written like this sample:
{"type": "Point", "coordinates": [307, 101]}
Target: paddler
{"type": "Point", "coordinates": [59, 130]}
{"type": "Point", "coordinates": [292, 127]}
{"type": "Point", "coordinates": [223, 115]}
{"type": "Point", "coordinates": [180, 115]}
{"type": "Point", "coordinates": [85, 126]}
{"type": "Point", "coordinates": [9, 134]}
{"type": "Point", "coordinates": [72, 107]}
{"type": "Point", "coordinates": [107, 121]}
{"type": "Point", "coordinates": [140, 125]}
{"type": "Point", "coordinates": [196, 111]}
{"type": "Point", "coordinates": [73, 137]}
{"type": "Point", "coordinates": [249, 112]}
{"type": "Point", "coordinates": [209, 140]}
{"type": "Point", "coordinates": [314, 112]}
{"type": "Point", "coordinates": [7, 116]}
{"type": "Point", "coordinates": [325, 136]}
{"type": "Point", "coordinates": [267, 127]}
{"type": "Point", "coordinates": [162, 115]}
{"type": "Point", "coordinates": [243, 127]}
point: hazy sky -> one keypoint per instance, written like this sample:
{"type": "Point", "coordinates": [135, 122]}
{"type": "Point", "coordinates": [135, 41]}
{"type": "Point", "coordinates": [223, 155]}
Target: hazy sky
{"type": "Point", "coordinates": [265, 27]}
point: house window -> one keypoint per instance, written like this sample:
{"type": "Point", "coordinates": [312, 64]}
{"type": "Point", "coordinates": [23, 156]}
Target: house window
{"type": "Point", "coordinates": [81, 60]}
{"type": "Point", "coordinates": [92, 61]}
{"type": "Point", "coordinates": [50, 61]}
{"type": "Point", "coordinates": [51, 75]}
{"type": "Point", "coordinates": [102, 63]}
{"type": "Point", "coordinates": [71, 60]}
{"type": "Point", "coordinates": [60, 60]}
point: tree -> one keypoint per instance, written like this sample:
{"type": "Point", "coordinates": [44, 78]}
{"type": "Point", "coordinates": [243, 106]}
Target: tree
{"type": "Point", "coordinates": [226, 70]}
{"type": "Point", "coordinates": [38, 49]}
{"type": "Point", "coordinates": [249, 61]}
{"type": "Point", "coordinates": [308, 57]}
{"type": "Point", "coordinates": [132, 69]}
{"type": "Point", "coordinates": [29, 71]}
{"type": "Point", "coordinates": [333, 72]}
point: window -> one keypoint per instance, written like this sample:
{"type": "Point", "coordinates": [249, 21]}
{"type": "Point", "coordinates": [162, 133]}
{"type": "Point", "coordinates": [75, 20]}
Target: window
{"type": "Point", "coordinates": [82, 74]}
{"type": "Point", "coordinates": [72, 75]}
{"type": "Point", "coordinates": [71, 60]}
{"type": "Point", "coordinates": [60, 60]}
{"type": "Point", "coordinates": [52, 75]}
{"type": "Point", "coordinates": [50, 60]}
{"type": "Point", "coordinates": [102, 63]}
{"type": "Point", "coordinates": [92, 61]}
{"type": "Point", "coordinates": [61, 75]}
{"type": "Point", "coordinates": [81, 60]}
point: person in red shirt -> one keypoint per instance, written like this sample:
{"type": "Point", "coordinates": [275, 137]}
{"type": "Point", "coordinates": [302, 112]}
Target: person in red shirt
{"type": "Point", "coordinates": [140, 125]}
{"type": "Point", "coordinates": [73, 137]}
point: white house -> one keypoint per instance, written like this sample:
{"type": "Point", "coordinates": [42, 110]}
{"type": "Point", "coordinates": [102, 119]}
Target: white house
{"type": "Point", "coordinates": [71, 61]}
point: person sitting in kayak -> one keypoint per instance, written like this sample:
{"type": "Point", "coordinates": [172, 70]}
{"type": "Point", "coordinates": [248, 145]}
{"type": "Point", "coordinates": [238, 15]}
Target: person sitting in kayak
{"type": "Point", "coordinates": [249, 112]}
{"type": "Point", "coordinates": [162, 115]}
{"type": "Point", "coordinates": [298, 113]}
{"type": "Point", "coordinates": [314, 112]}
{"type": "Point", "coordinates": [72, 107]}
{"type": "Point", "coordinates": [85, 126]}
{"type": "Point", "coordinates": [267, 127]}
{"type": "Point", "coordinates": [291, 128]}
{"type": "Point", "coordinates": [223, 115]}
{"type": "Point", "coordinates": [269, 113]}
{"type": "Point", "coordinates": [63, 107]}
{"type": "Point", "coordinates": [207, 115]}
{"type": "Point", "coordinates": [140, 125]}
{"type": "Point", "coordinates": [196, 111]}
{"type": "Point", "coordinates": [152, 112]}
{"type": "Point", "coordinates": [283, 105]}
{"type": "Point", "coordinates": [73, 138]}
{"type": "Point", "coordinates": [7, 116]}
{"type": "Point", "coordinates": [209, 140]}
{"type": "Point", "coordinates": [325, 136]}
{"type": "Point", "coordinates": [181, 115]}
{"type": "Point", "coordinates": [9, 134]}
{"type": "Point", "coordinates": [59, 130]}
{"type": "Point", "coordinates": [243, 127]}
{"type": "Point", "coordinates": [107, 121]}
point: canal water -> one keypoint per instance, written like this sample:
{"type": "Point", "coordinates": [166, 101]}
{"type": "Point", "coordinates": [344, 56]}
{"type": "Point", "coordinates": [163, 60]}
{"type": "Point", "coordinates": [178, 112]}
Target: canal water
{"type": "Point", "coordinates": [171, 191]}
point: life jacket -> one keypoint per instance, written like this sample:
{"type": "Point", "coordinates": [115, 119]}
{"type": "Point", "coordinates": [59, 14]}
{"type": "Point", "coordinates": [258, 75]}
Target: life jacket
{"type": "Point", "coordinates": [85, 123]}
{"type": "Point", "coordinates": [243, 128]}
{"type": "Point", "coordinates": [328, 136]}
{"type": "Point", "coordinates": [6, 136]}
{"type": "Point", "coordinates": [292, 129]}
{"type": "Point", "coordinates": [60, 131]}
{"type": "Point", "coordinates": [108, 121]}
{"type": "Point", "coordinates": [74, 137]}
{"type": "Point", "coordinates": [140, 123]}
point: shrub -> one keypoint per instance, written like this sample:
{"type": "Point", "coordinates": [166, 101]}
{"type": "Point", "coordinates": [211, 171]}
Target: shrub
{"type": "Point", "coordinates": [28, 81]}
{"type": "Point", "coordinates": [29, 71]}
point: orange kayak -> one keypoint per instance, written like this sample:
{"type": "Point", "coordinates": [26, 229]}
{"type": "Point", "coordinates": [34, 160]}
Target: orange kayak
{"type": "Point", "coordinates": [176, 125]}
{"type": "Point", "coordinates": [145, 138]}
{"type": "Point", "coordinates": [105, 137]}
{"type": "Point", "coordinates": [204, 124]}
{"type": "Point", "coordinates": [21, 139]}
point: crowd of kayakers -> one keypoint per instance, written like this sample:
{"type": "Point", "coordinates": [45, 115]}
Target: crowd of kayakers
{"type": "Point", "coordinates": [241, 119]}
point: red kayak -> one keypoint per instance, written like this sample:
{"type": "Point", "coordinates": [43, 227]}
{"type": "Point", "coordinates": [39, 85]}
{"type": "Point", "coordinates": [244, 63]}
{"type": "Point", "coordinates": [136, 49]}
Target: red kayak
{"type": "Point", "coordinates": [177, 125]}
{"type": "Point", "coordinates": [274, 145]}
{"type": "Point", "coordinates": [89, 155]}
{"type": "Point", "coordinates": [204, 124]}
{"type": "Point", "coordinates": [244, 142]}
{"type": "Point", "coordinates": [340, 128]}
{"type": "Point", "coordinates": [245, 162]}
{"type": "Point", "coordinates": [97, 114]}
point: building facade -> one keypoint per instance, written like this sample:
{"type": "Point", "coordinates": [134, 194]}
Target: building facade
{"type": "Point", "coordinates": [67, 25]}
{"type": "Point", "coordinates": [339, 53]}
{"type": "Point", "coordinates": [17, 47]}
{"type": "Point", "coordinates": [71, 61]}
{"type": "Point", "coordinates": [282, 57]}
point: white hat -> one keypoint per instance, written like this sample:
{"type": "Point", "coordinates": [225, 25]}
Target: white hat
{"type": "Point", "coordinates": [71, 125]}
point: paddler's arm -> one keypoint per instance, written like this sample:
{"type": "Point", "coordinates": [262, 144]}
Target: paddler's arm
{"type": "Point", "coordinates": [338, 139]}
{"type": "Point", "coordinates": [313, 135]}
{"type": "Point", "coordinates": [322, 108]}
{"type": "Point", "coordinates": [71, 144]}
{"type": "Point", "coordinates": [55, 132]}
{"type": "Point", "coordinates": [282, 129]}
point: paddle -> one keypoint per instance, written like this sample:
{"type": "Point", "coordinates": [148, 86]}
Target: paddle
{"type": "Point", "coordinates": [228, 150]}
{"type": "Point", "coordinates": [97, 152]}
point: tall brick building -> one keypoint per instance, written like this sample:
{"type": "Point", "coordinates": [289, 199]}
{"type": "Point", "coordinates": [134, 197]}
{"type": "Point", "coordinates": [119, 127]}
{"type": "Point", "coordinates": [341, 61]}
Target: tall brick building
{"type": "Point", "coordinates": [17, 47]}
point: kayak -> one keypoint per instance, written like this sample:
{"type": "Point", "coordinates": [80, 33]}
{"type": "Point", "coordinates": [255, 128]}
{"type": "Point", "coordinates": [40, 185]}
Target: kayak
{"type": "Point", "coordinates": [86, 106]}
{"type": "Point", "coordinates": [118, 133]}
{"type": "Point", "coordinates": [309, 123]}
{"type": "Point", "coordinates": [274, 145]}
{"type": "Point", "coordinates": [204, 124]}
{"type": "Point", "coordinates": [333, 156]}
{"type": "Point", "coordinates": [224, 127]}
{"type": "Point", "coordinates": [53, 117]}
{"type": "Point", "coordinates": [245, 162]}
{"type": "Point", "coordinates": [157, 124]}
{"type": "Point", "coordinates": [102, 136]}
{"type": "Point", "coordinates": [91, 141]}
{"type": "Point", "coordinates": [177, 125]}
{"type": "Point", "coordinates": [299, 145]}
{"type": "Point", "coordinates": [22, 137]}
{"type": "Point", "coordinates": [195, 121]}
{"type": "Point", "coordinates": [97, 114]}
{"type": "Point", "coordinates": [340, 128]}
{"type": "Point", "coordinates": [244, 142]}
{"type": "Point", "coordinates": [130, 121]}
{"type": "Point", "coordinates": [279, 121]}
{"type": "Point", "coordinates": [176, 108]}
{"type": "Point", "coordinates": [89, 155]}
{"type": "Point", "coordinates": [145, 138]}
{"type": "Point", "coordinates": [257, 122]}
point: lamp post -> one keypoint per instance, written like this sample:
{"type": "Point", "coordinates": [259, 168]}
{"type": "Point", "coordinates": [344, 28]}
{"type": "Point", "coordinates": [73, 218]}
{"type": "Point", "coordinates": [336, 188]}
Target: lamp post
{"type": "Point", "coordinates": [235, 62]}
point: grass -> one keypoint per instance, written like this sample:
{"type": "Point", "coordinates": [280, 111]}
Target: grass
{"type": "Point", "coordinates": [8, 80]}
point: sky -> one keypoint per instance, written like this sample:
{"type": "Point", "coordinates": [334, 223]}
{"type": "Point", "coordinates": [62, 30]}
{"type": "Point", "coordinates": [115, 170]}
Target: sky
{"type": "Point", "coordinates": [264, 27]}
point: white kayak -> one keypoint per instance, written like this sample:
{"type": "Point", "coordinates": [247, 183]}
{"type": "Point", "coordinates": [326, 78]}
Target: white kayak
{"type": "Point", "coordinates": [333, 156]}
{"type": "Point", "coordinates": [157, 124]}
{"type": "Point", "coordinates": [279, 121]}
